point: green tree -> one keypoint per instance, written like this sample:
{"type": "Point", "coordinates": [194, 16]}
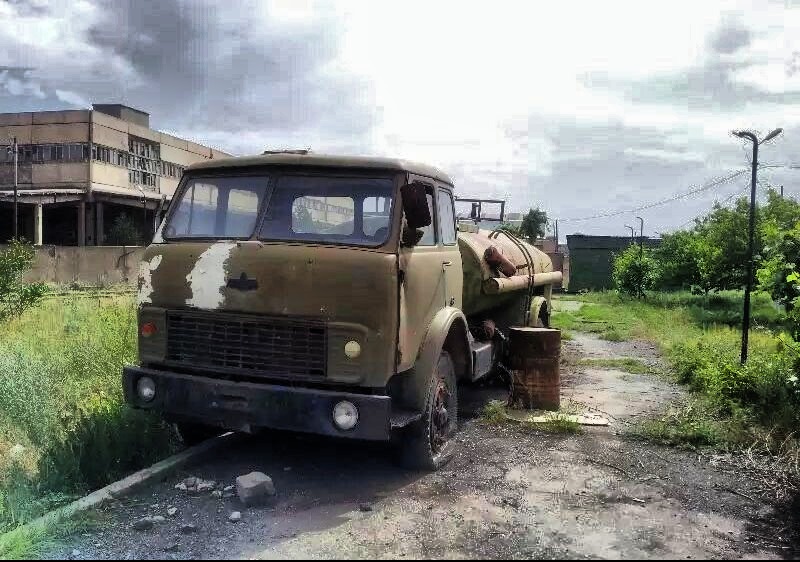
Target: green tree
{"type": "Point", "coordinates": [512, 228]}
{"type": "Point", "coordinates": [124, 232]}
{"type": "Point", "coordinates": [677, 261]}
{"type": "Point", "coordinates": [533, 225]}
{"type": "Point", "coordinates": [720, 247]}
{"type": "Point", "coordinates": [15, 295]}
{"type": "Point", "coordinates": [634, 272]}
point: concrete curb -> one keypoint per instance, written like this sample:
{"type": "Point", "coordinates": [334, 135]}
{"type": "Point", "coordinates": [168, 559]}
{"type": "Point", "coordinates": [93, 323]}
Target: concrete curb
{"type": "Point", "coordinates": [157, 472]}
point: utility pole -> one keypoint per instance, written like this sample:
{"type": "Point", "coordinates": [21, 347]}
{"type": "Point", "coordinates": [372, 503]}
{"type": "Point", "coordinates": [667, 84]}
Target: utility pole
{"type": "Point", "coordinates": [641, 235]}
{"type": "Point", "coordinates": [750, 234]}
{"type": "Point", "coordinates": [14, 149]}
{"type": "Point", "coordinates": [781, 192]}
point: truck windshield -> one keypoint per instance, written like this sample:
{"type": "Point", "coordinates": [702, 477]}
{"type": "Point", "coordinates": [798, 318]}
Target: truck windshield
{"type": "Point", "coordinates": [338, 210]}
{"type": "Point", "coordinates": [301, 208]}
{"type": "Point", "coordinates": [218, 208]}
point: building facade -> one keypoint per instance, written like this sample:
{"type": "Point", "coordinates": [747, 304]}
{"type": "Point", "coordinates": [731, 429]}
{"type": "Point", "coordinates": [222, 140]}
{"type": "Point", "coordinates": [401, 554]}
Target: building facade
{"type": "Point", "coordinates": [89, 177]}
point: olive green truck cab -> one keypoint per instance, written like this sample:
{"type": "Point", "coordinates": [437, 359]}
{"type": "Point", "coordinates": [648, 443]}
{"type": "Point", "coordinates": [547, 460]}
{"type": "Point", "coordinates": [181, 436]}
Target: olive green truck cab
{"type": "Point", "coordinates": [329, 295]}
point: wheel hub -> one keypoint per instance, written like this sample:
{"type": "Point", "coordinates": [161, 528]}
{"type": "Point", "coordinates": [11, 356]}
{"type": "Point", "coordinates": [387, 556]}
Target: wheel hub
{"type": "Point", "coordinates": [440, 420]}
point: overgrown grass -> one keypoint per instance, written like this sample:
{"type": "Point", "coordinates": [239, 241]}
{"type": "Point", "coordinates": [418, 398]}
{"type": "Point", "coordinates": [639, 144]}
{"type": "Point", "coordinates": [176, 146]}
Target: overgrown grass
{"type": "Point", "coordinates": [560, 423]}
{"type": "Point", "coordinates": [697, 334]}
{"type": "Point", "coordinates": [494, 413]}
{"type": "Point", "coordinates": [627, 364]}
{"type": "Point", "coordinates": [64, 428]}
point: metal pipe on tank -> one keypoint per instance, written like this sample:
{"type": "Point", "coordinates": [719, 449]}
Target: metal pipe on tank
{"type": "Point", "coordinates": [499, 285]}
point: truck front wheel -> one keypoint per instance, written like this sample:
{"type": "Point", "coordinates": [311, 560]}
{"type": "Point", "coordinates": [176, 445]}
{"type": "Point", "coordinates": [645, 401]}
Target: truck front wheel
{"type": "Point", "coordinates": [427, 444]}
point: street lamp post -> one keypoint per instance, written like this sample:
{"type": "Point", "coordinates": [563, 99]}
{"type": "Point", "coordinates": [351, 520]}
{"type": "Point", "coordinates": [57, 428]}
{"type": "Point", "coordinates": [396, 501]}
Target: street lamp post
{"type": "Point", "coordinates": [641, 235]}
{"type": "Point", "coordinates": [633, 235]}
{"type": "Point", "coordinates": [751, 234]}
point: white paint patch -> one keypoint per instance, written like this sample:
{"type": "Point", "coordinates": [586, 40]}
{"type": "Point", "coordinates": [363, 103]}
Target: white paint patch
{"type": "Point", "coordinates": [146, 269]}
{"type": "Point", "coordinates": [208, 278]}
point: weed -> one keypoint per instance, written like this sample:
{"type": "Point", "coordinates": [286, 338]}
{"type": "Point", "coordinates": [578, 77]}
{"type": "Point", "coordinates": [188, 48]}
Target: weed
{"type": "Point", "coordinates": [494, 412]}
{"type": "Point", "coordinates": [560, 423]}
{"type": "Point", "coordinates": [64, 427]}
{"type": "Point", "coordinates": [694, 333]}
{"type": "Point", "coordinates": [627, 364]}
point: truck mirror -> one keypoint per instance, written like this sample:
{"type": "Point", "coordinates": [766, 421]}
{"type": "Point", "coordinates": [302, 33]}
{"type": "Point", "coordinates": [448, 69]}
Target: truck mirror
{"type": "Point", "coordinates": [415, 205]}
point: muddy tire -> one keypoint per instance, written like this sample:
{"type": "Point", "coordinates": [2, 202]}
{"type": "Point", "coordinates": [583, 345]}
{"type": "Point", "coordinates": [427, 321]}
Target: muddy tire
{"type": "Point", "coordinates": [194, 433]}
{"type": "Point", "coordinates": [428, 443]}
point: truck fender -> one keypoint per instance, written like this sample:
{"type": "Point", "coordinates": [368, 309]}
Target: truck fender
{"type": "Point", "coordinates": [447, 331]}
{"type": "Point", "coordinates": [535, 318]}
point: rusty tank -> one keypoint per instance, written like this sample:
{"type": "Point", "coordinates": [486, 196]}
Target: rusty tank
{"type": "Point", "coordinates": [490, 283]}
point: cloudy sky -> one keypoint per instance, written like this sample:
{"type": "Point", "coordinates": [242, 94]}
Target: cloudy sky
{"type": "Point", "coordinates": [581, 108]}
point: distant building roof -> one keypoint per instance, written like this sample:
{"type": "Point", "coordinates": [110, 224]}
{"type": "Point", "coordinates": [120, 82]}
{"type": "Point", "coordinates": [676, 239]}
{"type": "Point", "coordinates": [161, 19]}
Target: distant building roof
{"type": "Point", "coordinates": [124, 112]}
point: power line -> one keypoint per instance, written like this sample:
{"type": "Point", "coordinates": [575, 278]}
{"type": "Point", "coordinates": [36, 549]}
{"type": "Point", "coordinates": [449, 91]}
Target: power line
{"type": "Point", "coordinates": [710, 185]}
{"type": "Point", "coordinates": [724, 202]}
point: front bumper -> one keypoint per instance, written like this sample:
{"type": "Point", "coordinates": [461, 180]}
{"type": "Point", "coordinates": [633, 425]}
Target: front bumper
{"type": "Point", "coordinates": [246, 406]}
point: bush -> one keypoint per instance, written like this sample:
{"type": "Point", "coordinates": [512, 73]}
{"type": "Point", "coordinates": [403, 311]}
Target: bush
{"type": "Point", "coordinates": [634, 271]}
{"type": "Point", "coordinates": [124, 232]}
{"type": "Point", "coordinates": [15, 295]}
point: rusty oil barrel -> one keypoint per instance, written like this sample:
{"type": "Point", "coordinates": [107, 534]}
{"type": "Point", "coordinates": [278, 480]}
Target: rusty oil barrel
{"type": "Point", "coordinates": [536, 381]}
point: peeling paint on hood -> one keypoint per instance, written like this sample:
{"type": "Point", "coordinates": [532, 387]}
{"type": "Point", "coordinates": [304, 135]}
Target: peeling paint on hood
{"type": "Point", "coordinates": [208, 277]}
{"type": "Point", "coordinates": [146, 269]}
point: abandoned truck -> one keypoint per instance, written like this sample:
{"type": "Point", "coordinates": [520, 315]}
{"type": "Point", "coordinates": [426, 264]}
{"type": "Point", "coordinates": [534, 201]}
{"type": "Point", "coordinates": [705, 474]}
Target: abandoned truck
{"type": "Point", "coordinates": [330, 295]}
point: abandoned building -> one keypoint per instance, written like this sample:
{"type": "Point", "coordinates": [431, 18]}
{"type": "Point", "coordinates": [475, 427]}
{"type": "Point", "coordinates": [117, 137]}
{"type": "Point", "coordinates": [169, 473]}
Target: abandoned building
{"type": "Point", "coordinates": [89, 177]}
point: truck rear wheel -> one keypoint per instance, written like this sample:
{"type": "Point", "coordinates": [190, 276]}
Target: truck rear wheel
{"type": "Point", "coordinates": [427, 444]}
{"type": "Point", "coordinates": [194, 433]}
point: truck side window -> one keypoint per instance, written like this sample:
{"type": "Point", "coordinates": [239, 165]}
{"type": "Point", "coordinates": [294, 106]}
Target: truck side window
{"type": "Point", "coordinates": [447, 221]}
{"type": "Point", "coordinates": [429, 238]}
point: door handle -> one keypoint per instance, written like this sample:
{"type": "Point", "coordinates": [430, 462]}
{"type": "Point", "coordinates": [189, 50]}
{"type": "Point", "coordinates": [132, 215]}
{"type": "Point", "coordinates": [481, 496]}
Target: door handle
{"type": "Point", "coordinates": [447, 263]}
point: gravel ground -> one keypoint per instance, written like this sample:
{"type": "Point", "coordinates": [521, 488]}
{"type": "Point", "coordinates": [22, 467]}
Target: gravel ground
{"type": "Point", "coordinates": [510, 492]}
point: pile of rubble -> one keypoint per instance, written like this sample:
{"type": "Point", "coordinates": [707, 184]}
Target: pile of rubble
{"type": "Point", "coordinates": [255, 488]}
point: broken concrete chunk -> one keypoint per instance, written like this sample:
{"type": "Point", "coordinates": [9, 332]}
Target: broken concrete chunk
{"type": "Point", "coordinates": [182, 487]}
{"type": "Point", "coordinates": [235, 516]}
{"type": "Point", "coordinates": [205, 485]}
{"type": "Point", "coordinates": [229, 488]}
{"type": "Point", "coordinates": [146, 523]}
{"type": "Point", "coordinates": [172, 511]}
{"type": "Point", "coordinates": [254, 488]}
{"type": "Point", "coordinates": [216, 494]}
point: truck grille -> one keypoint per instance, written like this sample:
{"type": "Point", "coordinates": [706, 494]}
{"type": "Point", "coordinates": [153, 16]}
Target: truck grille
{"type": "Point", "coordinates": [247, 344]}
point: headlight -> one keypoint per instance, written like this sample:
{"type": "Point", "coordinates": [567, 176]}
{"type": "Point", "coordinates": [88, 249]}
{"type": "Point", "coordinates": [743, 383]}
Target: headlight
{"type": "Point", "coordinates": [352, 349]}
{"type": "Point", "coordinates": [345, 415]}
{"type": "Point", "coordinates": [146, 388]}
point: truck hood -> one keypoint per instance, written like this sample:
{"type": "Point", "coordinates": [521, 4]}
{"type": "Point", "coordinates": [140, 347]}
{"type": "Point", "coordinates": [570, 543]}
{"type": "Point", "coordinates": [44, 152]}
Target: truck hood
{"type": "Point", "coordinates": [354, 291]}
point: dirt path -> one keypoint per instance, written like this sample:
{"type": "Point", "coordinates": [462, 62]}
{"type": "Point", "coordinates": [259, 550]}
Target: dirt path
{"type": "Point", "coordinates": [510, 492]}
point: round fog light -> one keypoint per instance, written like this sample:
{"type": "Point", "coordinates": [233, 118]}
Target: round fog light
{"type": "Point", "coordinates": [146, 388]}
{"type": "Point", "coordinates": [345, 415]}
{"type": "Point", "coordinates": [352, 349]}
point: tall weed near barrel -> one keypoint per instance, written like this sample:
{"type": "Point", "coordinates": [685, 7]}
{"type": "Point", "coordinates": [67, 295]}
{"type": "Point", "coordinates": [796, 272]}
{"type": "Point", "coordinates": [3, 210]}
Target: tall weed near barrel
{"type": "Point", "coordinates": [64, 428]}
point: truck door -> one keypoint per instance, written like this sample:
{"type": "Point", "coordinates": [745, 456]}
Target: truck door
{"type": "Point", "coordinates": [422, 292]}
{"type": "Point", "coordinates": [451, 257]}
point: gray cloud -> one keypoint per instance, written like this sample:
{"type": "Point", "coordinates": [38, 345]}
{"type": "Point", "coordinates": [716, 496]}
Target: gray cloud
{"type": "Point", "coordinates": [730, 37]}
{"type": "Point", "coordinates": [203, 68]}
{"type": "Point", "coordinates": [210, 68]}
{"type": "Point", "coordinates": [212, 73]}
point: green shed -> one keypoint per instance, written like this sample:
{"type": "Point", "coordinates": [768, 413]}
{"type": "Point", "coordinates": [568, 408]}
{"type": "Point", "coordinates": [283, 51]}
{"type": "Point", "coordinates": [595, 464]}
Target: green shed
{"type": "Point", "coordinates": [591, 258]}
